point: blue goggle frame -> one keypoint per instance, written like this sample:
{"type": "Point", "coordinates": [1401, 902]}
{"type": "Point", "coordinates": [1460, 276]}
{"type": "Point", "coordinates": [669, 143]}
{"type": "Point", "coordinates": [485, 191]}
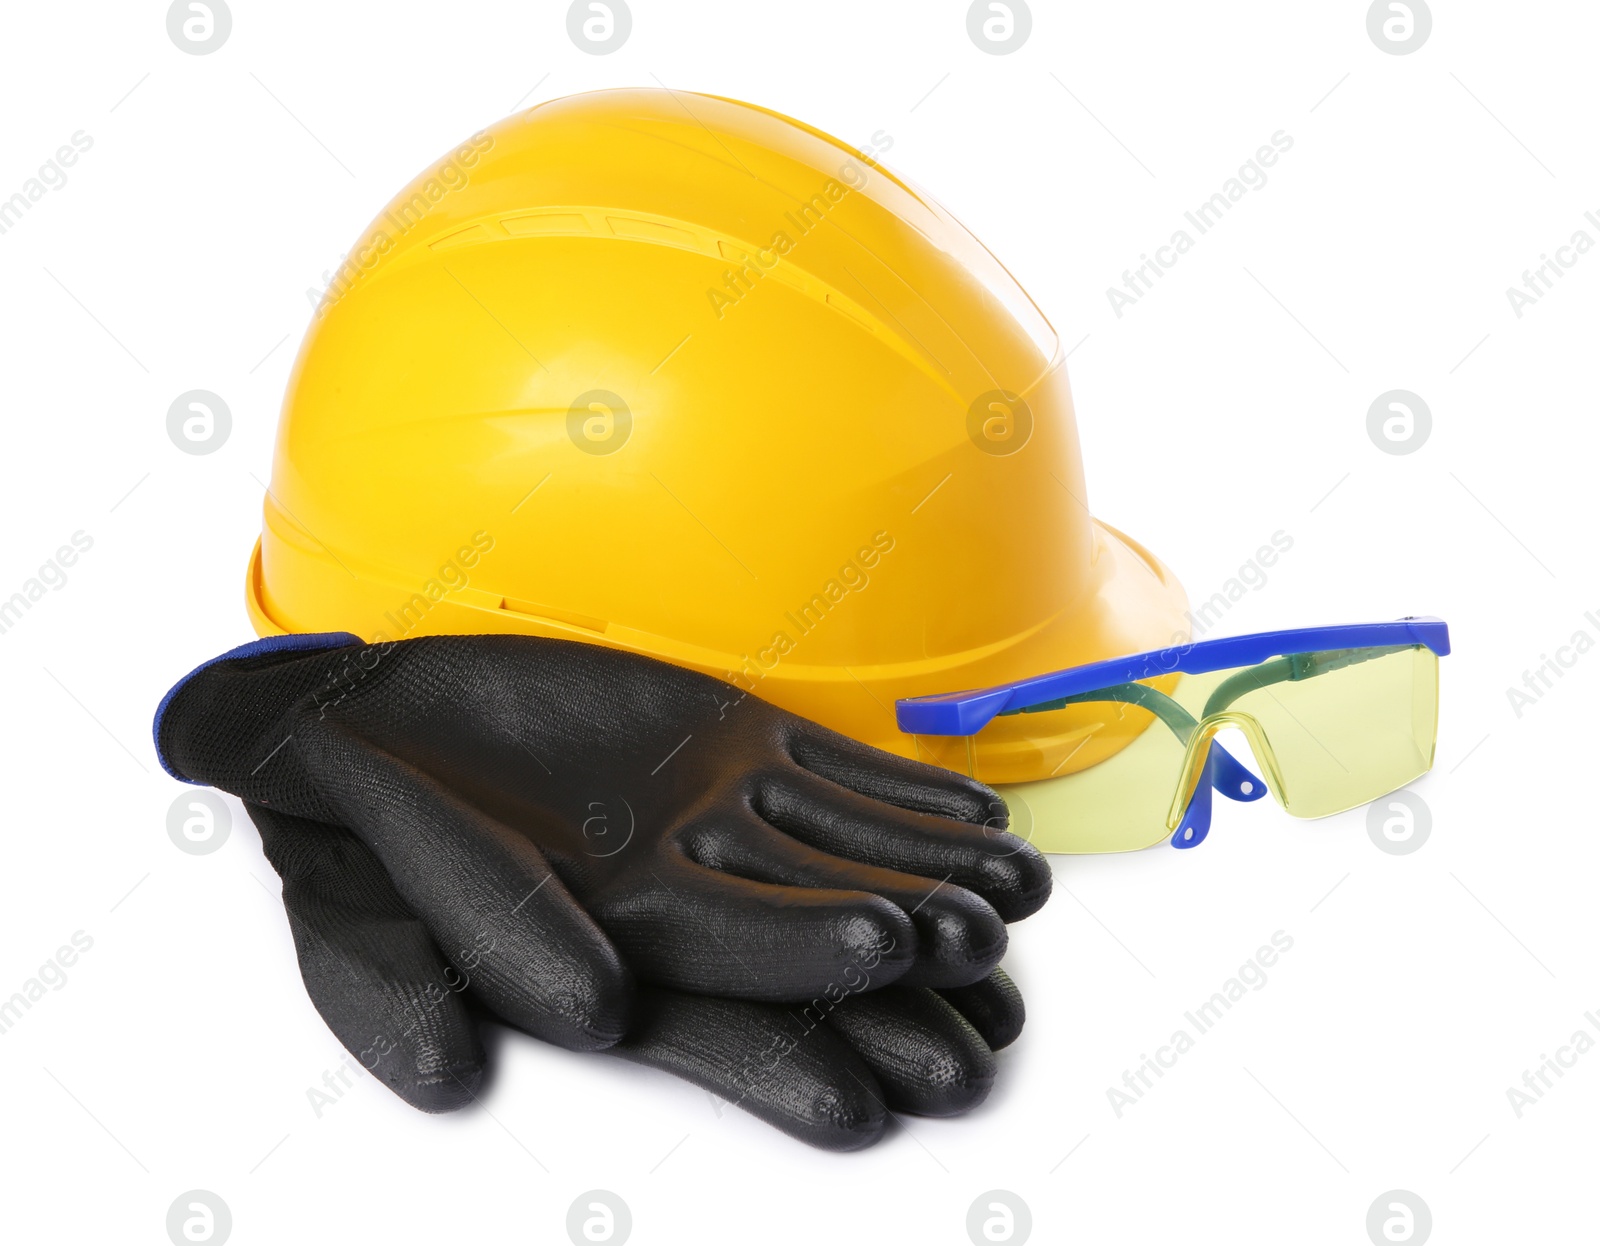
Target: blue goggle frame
{"type": "Point", "coordinates": [967, 713]}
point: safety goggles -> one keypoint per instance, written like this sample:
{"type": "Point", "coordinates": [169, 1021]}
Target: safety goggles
{"type": "Point", "coordinates": [1336, 717]}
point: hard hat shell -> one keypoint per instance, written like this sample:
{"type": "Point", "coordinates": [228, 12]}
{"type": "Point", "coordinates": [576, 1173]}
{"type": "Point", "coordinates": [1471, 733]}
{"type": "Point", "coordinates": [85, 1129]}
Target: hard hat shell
{"type": "Point", "coordinates": [681, 375]}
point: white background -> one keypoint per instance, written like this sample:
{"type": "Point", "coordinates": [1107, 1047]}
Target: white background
{"type": "Point", "coordinates": [1229, 404]}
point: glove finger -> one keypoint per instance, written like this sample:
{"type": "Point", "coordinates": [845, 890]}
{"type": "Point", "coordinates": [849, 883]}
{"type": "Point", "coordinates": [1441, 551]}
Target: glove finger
{"type": "Point", "coordinates": [488, 896]}
{"type": "Point", "coordinates": [960, 937]}
{"type": "Point", "coordinates": [370, 966]}
{"type": "Point", "coordinates": [895, 780]}
{"type": "Point", "coordinates": [926, 1056]}
{"type": "Point", "coordinates": [697, 929]}
{"type": "Point", "coordinates": [993, 1007]}
{"type": "Point", "coordinates": [1010, 874]}
{"type": "Point", "coordinates": [805, 1080]}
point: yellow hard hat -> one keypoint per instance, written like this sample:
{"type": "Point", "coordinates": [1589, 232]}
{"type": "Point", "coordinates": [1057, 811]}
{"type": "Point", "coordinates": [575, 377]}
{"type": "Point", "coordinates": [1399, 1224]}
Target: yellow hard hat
{"type": "Point", "coordinates": [680, 375]}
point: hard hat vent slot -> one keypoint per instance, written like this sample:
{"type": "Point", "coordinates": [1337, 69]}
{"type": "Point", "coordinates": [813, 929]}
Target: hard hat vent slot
{"type": "Point", "coordinates": [552, 614]}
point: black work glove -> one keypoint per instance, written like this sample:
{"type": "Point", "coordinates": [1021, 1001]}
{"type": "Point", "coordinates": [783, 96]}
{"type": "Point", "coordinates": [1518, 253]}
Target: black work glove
{"type": "Point", "coordinates": [509, 792]}
{"type": "Point", "coordinates": [830, 1073]}
{"type": "Point", "coordinates": [827, 1070]}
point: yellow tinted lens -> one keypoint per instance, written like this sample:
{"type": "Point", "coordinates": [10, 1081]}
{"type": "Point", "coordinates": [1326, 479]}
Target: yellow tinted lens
{"type": "Point", "coordinates": [1351, 730]}
{"type": "Point", "coordinates": [1118, 804]}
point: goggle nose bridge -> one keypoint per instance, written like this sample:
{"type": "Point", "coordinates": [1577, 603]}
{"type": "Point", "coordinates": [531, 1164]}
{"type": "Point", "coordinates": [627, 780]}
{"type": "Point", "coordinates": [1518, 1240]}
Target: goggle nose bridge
{"type": "Point", "coordinates": [1199, 745]}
